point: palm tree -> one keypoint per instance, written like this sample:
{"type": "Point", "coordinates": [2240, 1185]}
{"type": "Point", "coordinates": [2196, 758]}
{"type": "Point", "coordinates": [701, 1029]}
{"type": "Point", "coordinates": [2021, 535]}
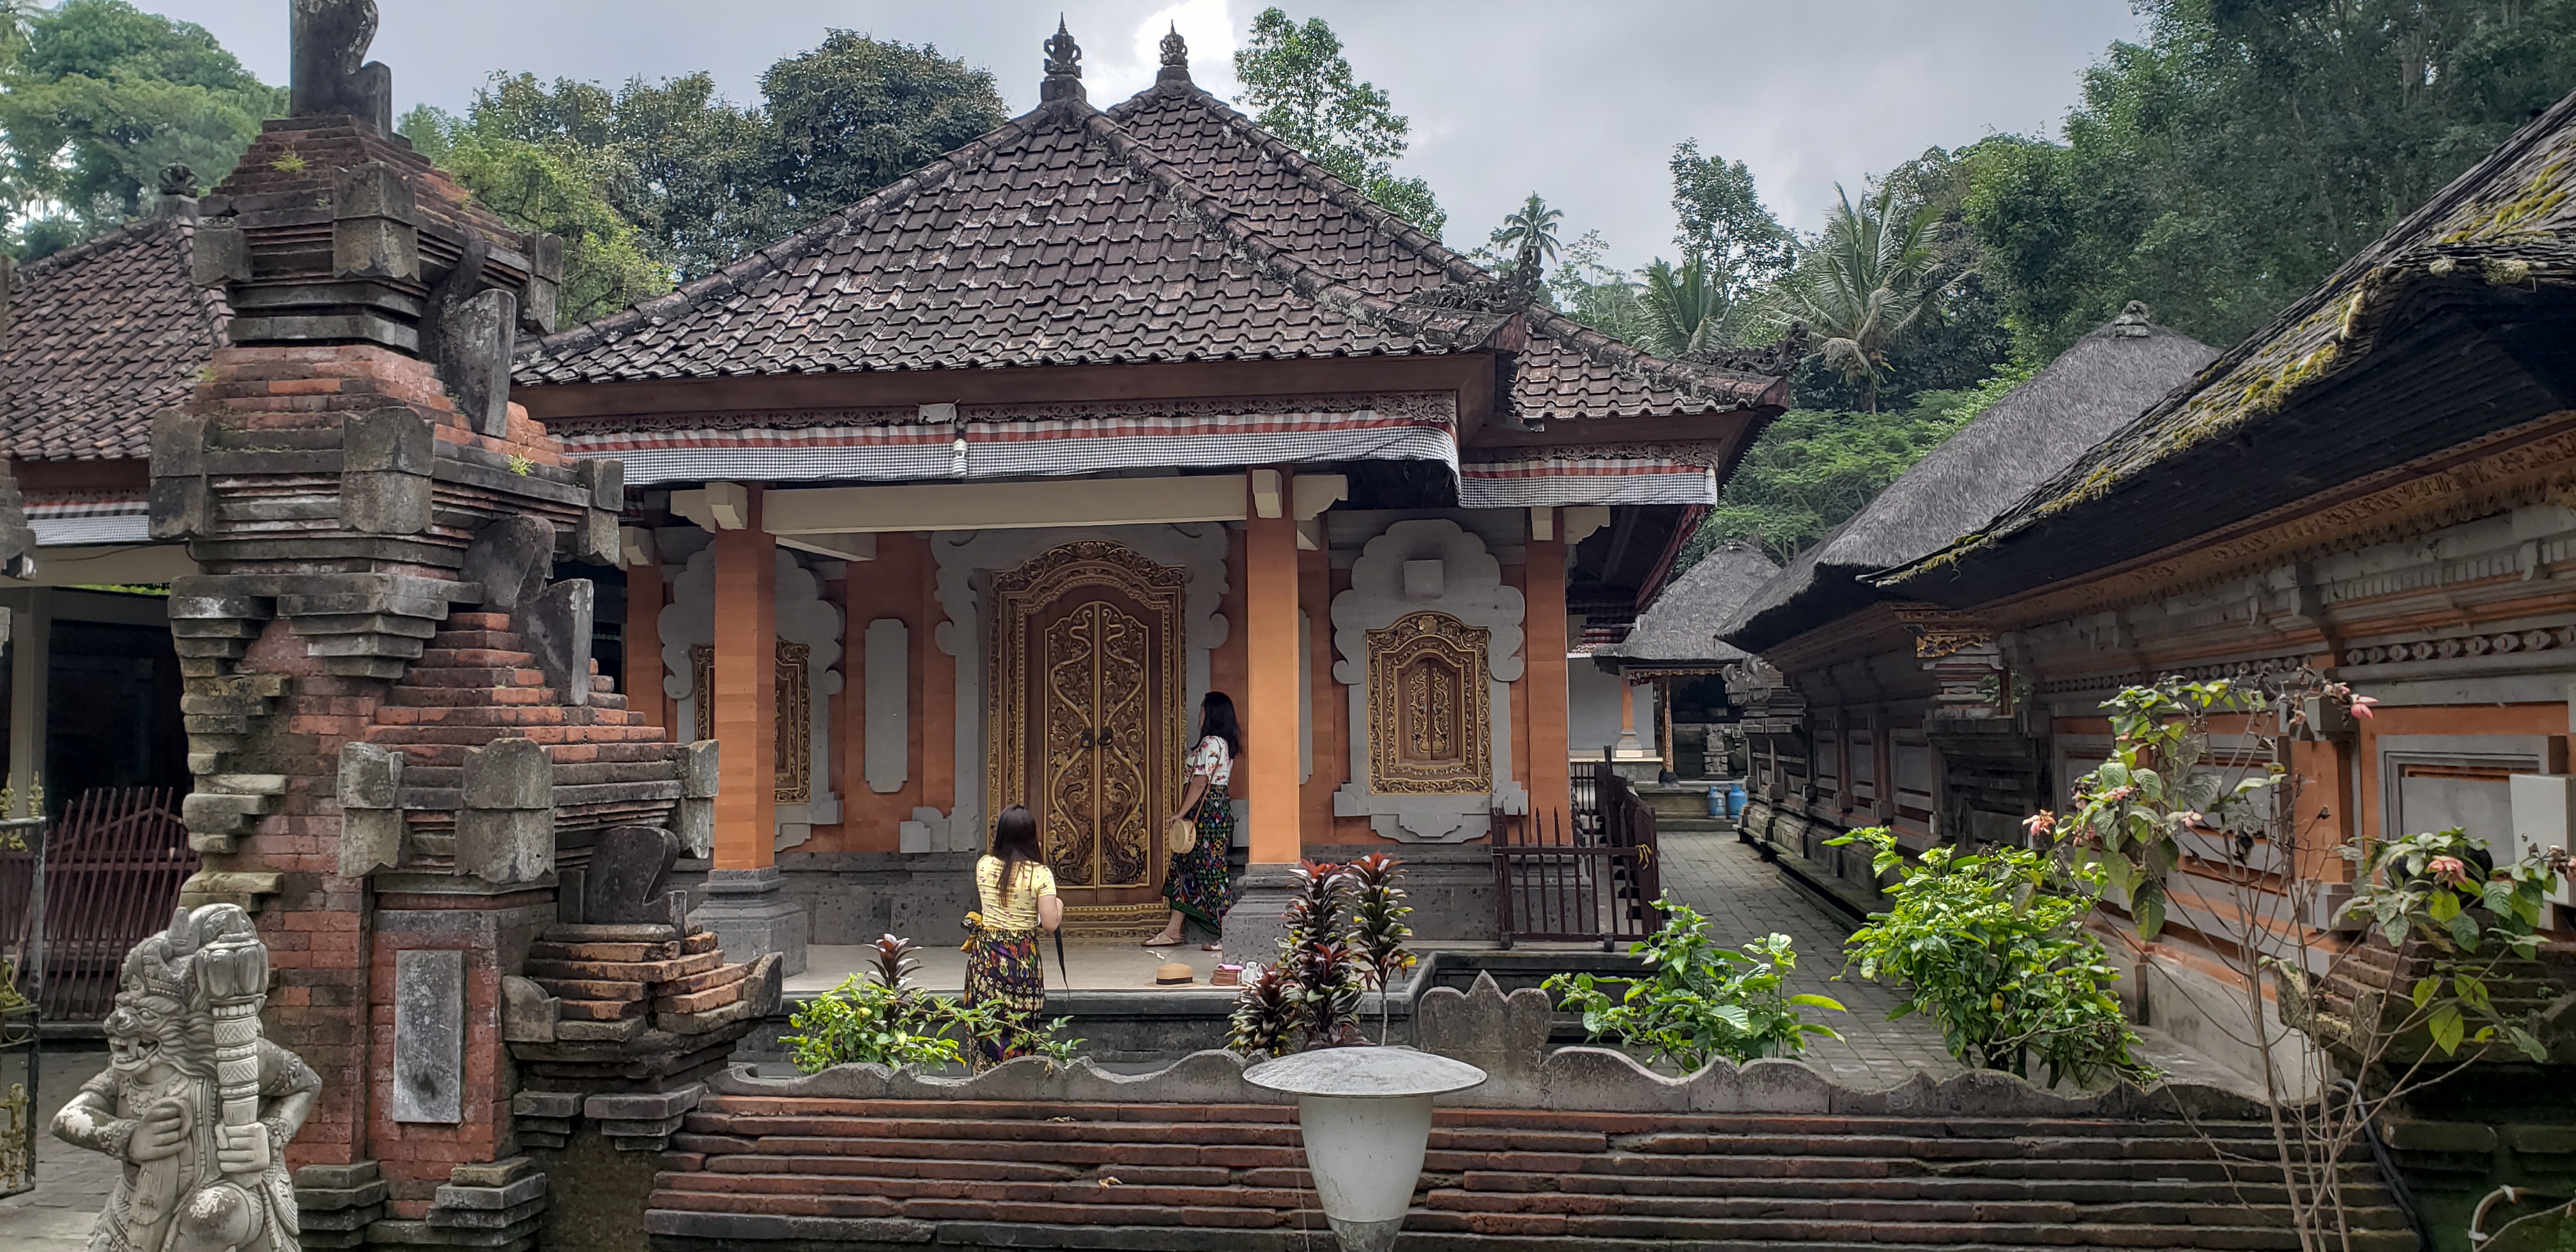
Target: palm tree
{"type": "Point", "coordinates": [1530, 230]}
{"type": "Point", "coordinates": [1861, 284]}
{"type": "Point", "coordinates": [1688, 308]}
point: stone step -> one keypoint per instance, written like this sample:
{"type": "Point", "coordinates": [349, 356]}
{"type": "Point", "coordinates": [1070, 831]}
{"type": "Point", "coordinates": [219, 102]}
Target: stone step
{"type": "Point", "coordinates": [410, 696]}
{"type": "Point", "coordinates": [580, 723]}
{"type": "Point", "coordinates": [580, 774]}
{"type": "Point", "coordinates": [444, 651]}
{"type": "Point", "coordinates": [472, 676]}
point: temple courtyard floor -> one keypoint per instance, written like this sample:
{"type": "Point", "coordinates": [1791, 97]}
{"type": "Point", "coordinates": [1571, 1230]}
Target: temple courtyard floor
{"type": "Point", "coordinates": [1743, 897]}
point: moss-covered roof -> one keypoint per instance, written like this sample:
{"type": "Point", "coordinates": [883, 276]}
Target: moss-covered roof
{"type": "Point", "coordinates": [2504, 229]}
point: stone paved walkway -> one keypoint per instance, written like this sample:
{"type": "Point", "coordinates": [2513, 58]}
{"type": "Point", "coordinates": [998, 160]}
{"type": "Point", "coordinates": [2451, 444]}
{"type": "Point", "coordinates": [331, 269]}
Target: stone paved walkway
{"type": "Point", "coordinates": [1744, 899]}
{"type": "Point", "coordinates": [71, 1185]}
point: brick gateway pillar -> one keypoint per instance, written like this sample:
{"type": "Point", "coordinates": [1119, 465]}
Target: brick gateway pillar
{"type": "Point", "coordinates": [451, 830]}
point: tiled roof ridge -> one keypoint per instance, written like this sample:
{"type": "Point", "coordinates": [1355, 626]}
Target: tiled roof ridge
{"type": "Point", "coordinates": [1682, 376]}
{"type": "Point", "coordinates": [734, 276]}
{"type": "Point", "coordinates": [93, 246]}
{"type": "Point", "coordinates": [1446, 327]}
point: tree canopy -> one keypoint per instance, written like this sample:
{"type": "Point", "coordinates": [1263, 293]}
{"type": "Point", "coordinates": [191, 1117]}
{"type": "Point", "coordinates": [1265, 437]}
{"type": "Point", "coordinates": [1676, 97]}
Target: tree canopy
{"type": "Point", "coordinates": [95, 98]}
{"type": "Point", "coordinates": [2228, 162]}
{"type": "Point", "coordinates": [1301, 88]}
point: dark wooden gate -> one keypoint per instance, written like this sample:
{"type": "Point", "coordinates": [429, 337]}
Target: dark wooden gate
{"type": "Point", "coordinates": [1584, 877]}
{"type": "Point", "coordinates": [112, 869]}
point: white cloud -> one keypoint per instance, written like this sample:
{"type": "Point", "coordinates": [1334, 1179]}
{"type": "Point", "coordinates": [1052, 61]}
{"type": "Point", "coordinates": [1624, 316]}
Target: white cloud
{"type": "Point", "coordinates": [1116, 73]}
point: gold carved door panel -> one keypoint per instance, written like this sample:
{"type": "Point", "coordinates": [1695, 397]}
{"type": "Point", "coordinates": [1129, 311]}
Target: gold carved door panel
{"type": "Point", "coordinates": [1086, 720]}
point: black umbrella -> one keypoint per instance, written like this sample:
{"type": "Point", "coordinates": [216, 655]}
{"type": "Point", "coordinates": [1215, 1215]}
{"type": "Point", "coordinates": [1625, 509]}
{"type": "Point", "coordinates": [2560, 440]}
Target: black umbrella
{"type": "Point", "coordinates": [1059, 959]}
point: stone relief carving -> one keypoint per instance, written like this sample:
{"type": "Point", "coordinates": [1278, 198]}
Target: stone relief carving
{"type": "Point", "coordinates": [1436, 571]}
{"type": "Point", "coordinates": [1429, 720]}
{"type": "Point", "coordinates": [195, 1104]}
{"type": "Point", "coordinates": [809, 668]}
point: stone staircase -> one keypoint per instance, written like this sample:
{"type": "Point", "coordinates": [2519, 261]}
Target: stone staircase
{"type": "Point", "coordinates": [886, 1173]}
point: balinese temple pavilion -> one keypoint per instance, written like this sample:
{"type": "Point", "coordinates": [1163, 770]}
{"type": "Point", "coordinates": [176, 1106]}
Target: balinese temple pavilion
{"type": "Point", "coordinates": [962, 497]}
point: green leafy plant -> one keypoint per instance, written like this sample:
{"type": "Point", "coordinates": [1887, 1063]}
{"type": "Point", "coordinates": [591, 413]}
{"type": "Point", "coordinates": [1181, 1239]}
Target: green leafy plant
{"type": "Point", "coordinates": [2132, 814]}
{"type": "Point", "coordinates": [522, 466]}
{"type": "Point", "coordinates": [1993, 947]}
{"type": "Point", "coordinates": [1378, 930]}
{"type": "Point", "coordinates": [2444, 890]}
{"type": "Point", "coordinates": [879, 1017]}
{"type": "Point", "coordinates": [1698, 1001]}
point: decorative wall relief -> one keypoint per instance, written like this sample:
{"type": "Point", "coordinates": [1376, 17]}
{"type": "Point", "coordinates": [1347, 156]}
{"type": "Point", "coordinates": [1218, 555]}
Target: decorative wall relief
{"type": "Point", "coordinates": [1429, 720]}
{"type": "Point", "coordinates": [808, 660]}
{"type": "Point", "coordinates": [1429, 639]}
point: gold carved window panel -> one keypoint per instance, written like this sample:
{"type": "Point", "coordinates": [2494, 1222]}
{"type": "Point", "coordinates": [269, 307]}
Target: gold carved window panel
{"type": "Point", "coordinates": [794, 749]}
{"type": "Point", "coordinates": [1085, 660]}
{"type": "Point", "coordinates": [1430, 708]}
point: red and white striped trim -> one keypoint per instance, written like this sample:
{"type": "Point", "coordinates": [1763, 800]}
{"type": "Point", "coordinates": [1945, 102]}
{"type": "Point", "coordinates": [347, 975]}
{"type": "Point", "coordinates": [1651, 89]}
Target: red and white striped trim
{"type": "Point", "coordinates": [90, 520]}
{"type": "Point", "coordinates": [918, 452]}
{"type": "Point", "coordinates": [1550, 481]}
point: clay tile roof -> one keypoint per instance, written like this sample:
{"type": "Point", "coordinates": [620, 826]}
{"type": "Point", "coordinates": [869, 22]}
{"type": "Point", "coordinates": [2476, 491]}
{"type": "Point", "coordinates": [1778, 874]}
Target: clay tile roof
{"type": "Point", "coordinates": [2092, 390]}
{"type": "Point", "coordinates": [102, 337]}
{"type": "Point", "coordinates": [1681, 626]}
{"type": "Point", "coordinates": [1166, 229]}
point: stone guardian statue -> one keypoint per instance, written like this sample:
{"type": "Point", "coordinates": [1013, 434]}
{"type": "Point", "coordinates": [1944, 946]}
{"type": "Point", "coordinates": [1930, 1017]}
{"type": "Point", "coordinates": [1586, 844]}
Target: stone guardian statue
{"type": "Point", "coordinates": [195, 1104]}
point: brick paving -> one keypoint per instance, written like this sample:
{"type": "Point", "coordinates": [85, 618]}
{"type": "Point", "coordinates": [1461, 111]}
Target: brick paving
{"type": "Point", "coordinates": [1744, 899]}
{"type": "Point", "coordinates": [71, 1184]}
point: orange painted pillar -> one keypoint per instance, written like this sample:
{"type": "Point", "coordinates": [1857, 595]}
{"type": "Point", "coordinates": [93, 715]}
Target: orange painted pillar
{"type": "Point", "coordinates": [642, 681]}
{"type": "Point", "coordinates": [1551, 787]}
{"type": "Point", "coordinates": [1269, 707]}
{"type": "Point", "coordinates": [746, 694]}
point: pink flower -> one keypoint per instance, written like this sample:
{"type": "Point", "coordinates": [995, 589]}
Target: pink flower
{"type": "Point", "coordinates": [2039, 824]}
{"type": "Point", "coordinates": [2119, 793]}
{"type": "Point", "coordinates": [2361, 706]}
{"type": "Point", "coordinates": [2448, 870]}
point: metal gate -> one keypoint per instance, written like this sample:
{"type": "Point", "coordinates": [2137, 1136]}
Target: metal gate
{"type": "Point", "coordinates": [114, 863]}
{"type": "Point", "coordinates": [1587, 877]}
{"type": "Point", "coordinates": [22, 965]}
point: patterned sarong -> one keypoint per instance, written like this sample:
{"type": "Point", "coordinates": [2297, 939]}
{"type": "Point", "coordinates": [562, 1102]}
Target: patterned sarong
{"type": "Point", "coordinates": [1198, 883]}
{"type": "Point", "coordinates": [1003, 967]}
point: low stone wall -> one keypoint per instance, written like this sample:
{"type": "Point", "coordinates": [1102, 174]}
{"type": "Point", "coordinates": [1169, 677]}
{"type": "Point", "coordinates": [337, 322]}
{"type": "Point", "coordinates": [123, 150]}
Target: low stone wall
{"type": "Point", "coordinates": [1574, 1148]}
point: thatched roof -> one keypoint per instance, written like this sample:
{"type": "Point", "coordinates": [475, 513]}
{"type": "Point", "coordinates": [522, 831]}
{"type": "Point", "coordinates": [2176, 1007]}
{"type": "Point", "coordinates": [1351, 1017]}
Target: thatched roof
{"type": "Point", "coordinates": [2449, 329]}
{"type": "Point", "coordinates": [1681, 626]}
{"type": "Point", "coordinates": [2090, 391]}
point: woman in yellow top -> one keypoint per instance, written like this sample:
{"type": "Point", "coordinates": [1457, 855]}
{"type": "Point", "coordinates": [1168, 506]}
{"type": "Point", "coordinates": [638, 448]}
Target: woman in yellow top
{"type": "Point", "coordinates": [1016, 892]}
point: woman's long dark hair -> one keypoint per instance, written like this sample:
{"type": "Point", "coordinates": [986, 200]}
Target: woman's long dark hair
{"type": "Point", "coordinates": [1015, 840]}
{"type": "Point", "coordinates": [1216, 717]}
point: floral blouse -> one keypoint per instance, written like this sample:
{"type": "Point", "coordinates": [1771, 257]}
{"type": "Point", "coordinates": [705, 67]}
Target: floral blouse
{"type": "Point", "coordinates": [1213, 759]}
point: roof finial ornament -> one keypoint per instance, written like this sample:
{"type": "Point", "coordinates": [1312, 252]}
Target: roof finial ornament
{"type": "Point", "coordinates": [1063, 66]}
{"type": "Point", "coordinates": [328, 39]}
{"type": "Point", "coordinates": [1176, 58]}
{"type": "Point", "coordinates": [2132, 322]}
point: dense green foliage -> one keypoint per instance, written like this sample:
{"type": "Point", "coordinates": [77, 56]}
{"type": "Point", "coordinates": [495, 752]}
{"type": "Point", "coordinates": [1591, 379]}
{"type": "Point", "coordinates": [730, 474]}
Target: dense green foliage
{"type": "Point", "coordinates": [1811, 470]}
{"type": "Point", "coordinates": [1697, 1001]}
{"type": "Point", "coordinates": [1301, 88]}
{"type": "Point", "coordinates": [661, 181]}
{"type": "Point", "coordinates": [1993, 947]}
{"type": "Point", "coordinates": [95, 98]}
{"type": "Point", "coordinates": [878, 1017]}
{"type": "Point", "coordinates": [2222, 166]}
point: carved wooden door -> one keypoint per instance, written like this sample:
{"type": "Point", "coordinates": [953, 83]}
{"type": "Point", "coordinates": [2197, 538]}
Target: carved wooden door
{"type": "Point", "coordinates": [1087, 720]}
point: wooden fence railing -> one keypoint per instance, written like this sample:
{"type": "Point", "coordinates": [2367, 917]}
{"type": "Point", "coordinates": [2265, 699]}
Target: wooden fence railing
{"type": "Point", "coordinates": [1585, 877]}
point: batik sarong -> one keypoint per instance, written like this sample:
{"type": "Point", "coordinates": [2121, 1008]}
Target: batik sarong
{"type": "Point", "coordinates": [1003, 969]}
{"type": "Point", "coordinates": [1198, 883]}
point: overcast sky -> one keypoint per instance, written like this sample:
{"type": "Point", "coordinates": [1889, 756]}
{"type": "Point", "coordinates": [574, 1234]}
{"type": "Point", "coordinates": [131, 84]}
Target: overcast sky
{"type": "Point", "coordinates": [1581, 103]}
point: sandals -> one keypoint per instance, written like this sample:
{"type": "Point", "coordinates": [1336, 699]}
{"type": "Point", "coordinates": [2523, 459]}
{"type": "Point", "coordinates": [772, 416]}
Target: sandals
{"type": "Point", "coordinates": [1159, 942]}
